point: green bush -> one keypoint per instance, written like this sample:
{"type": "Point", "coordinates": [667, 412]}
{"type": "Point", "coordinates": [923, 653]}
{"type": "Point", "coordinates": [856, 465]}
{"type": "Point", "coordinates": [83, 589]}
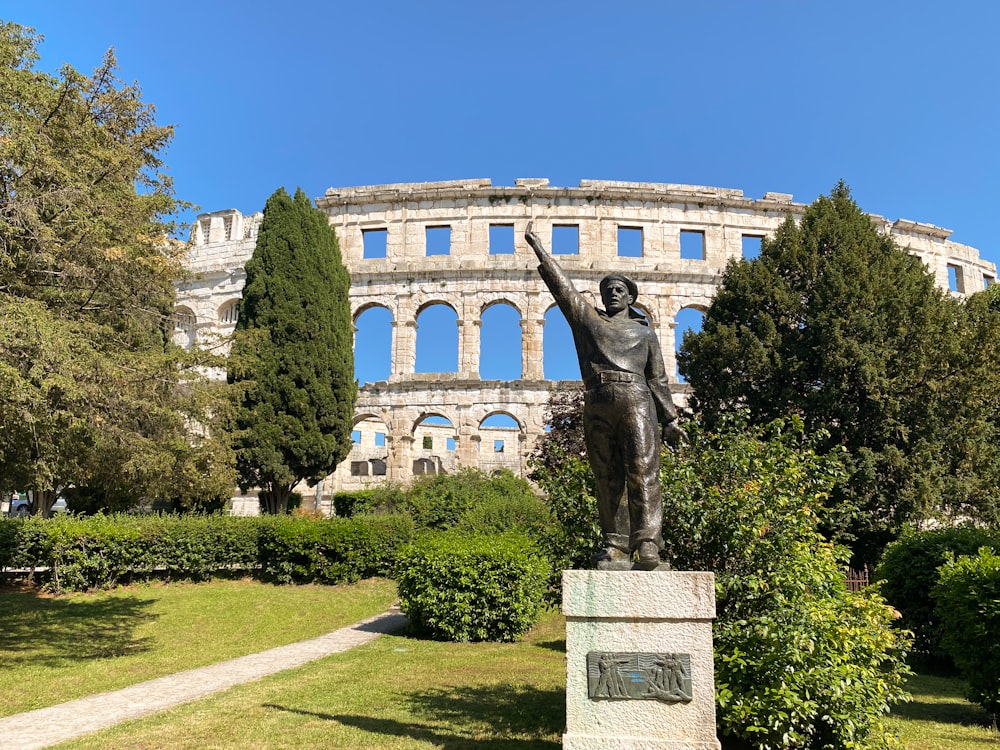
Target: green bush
{"type": "Point", "coordinates": [458, 587]}
{"type": "Point", "coordinates": [800, 661]}
{"type": "Point", "coordinates": [968, 604]}
{"type": "Point", "coordinates": [497, 514]}
{"type": "Point", "coordinates": [337, 550]}
{"type": "Point", "coordinates": [347, 504]}
{"type": "Point", "coordinates": [908, 573]}
{"type": "Point", "coordinates": [440, 501]}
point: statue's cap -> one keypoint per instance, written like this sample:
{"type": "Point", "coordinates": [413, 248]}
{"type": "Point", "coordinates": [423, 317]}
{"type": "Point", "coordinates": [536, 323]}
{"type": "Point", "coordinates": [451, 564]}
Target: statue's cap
{"type": "Point", "coordinates": [629, 284]}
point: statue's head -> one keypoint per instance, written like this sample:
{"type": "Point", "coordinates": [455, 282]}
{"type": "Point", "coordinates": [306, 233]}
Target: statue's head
{"type": "Point", "coordinates": [618, 292]}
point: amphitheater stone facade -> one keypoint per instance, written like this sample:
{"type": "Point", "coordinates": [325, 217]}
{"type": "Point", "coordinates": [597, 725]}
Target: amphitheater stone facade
{"type": "Point", "coordinates": [460, 244]}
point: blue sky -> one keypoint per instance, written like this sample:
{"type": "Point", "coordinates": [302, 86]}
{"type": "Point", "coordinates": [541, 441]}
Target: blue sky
{"type": "Point", "coordinates": [899, 99]}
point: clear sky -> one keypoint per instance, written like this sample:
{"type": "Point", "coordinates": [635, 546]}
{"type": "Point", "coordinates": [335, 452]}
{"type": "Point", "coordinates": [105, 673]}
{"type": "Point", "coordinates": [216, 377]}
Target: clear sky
{"type": "Point", "coordinates": [898, 98]}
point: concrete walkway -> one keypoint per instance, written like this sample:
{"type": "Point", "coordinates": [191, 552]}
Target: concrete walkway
{"type": "Point", "coordinates": [49, 726]}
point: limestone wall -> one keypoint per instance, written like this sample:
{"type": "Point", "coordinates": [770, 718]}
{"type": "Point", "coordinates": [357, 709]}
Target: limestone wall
{"type": "Point", "coordinates": [408, 246]}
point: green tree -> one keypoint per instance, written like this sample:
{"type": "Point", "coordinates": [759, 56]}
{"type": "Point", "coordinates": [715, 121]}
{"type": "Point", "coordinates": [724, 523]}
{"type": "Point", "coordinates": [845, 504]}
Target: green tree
{"type": "Point", "coordinates": [89, 380]}
{"type": "Point", "coordinates": [837, 324]}
{"type": "Point", "coordinates": [292, 356]}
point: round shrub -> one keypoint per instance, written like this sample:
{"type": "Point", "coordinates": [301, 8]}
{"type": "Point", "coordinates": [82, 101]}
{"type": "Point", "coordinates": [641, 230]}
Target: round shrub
{"type": "Point", "coordinates": [908, 573]}
{"type": "Point", "coordinates": [472, 588]}
{"type": "Point", "coordinates": [968, 603]}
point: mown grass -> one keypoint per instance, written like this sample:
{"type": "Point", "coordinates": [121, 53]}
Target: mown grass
{"type": "Point", "coordinates": [939, 717]}
{"type": "Point", "coordinates": [54, 649]}
{"type": "Point", "coordinates": [398, 692]}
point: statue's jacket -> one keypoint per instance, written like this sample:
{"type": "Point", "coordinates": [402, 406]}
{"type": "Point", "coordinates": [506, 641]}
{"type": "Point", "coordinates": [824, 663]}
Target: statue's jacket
{"type": "Point", "coordinates": [608, 345]}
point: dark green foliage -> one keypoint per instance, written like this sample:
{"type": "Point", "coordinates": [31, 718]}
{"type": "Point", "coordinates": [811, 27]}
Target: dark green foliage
{"type": "Point", "coordinates": [800, 660]}
{"type": "Point", "coordinates": [459, 587]}
{"type": "Point", "coordinates": [908, 573]}
{"type": "Point", "coordinates": [347, 504]}
{"type": "Point", "coordinates": [968, 603]}
{"type": "Point", "coordinates": [292, 355]}
{"type": "Point", "coordinates": [837, 324]}
{"type": "Point", "coordinates": [441, 501]}
{"type": "Point", "coordinates": [559, 466]}
{"type": "Point", "coordinates": [500, 513]}
{"type": "Point", "coordinates": [102, 551]}
{"type": "Point", "coordinates": [92, 392]}
{"type": "Point", "coordinates": [337, 550]}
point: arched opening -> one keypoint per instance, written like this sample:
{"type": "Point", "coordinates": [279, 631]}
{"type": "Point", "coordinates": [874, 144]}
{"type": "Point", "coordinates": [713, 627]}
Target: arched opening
{"type": "Point", "coordinates": [500, 343]}
{"type": "Point", "coordinates": [500, 443]}
{"type": "Point", "coordinates": [184, 327]}
{"type": "Point", "coordinates": [437, 339]}
{"type": "Point", "coordinates": [559, 361]}
{"type": "Point", "coordinates": [689, 320]}
{"type": "Point", "coordinates": [433, 445]}
{"type": "Point", "coordinates": [229, 313]}
{"type": "Point", "coordinates": [369, 456]}
{"type": "Point", "coordinates": [373, 345]}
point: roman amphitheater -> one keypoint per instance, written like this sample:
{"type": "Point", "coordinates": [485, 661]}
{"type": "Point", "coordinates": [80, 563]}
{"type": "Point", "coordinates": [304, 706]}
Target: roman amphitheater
{"type": "Point", "coordinates": [459, 244]}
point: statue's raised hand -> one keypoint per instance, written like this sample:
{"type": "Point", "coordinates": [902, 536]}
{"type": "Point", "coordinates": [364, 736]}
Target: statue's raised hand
{"type": "Point", "coordinates": [532, 239]}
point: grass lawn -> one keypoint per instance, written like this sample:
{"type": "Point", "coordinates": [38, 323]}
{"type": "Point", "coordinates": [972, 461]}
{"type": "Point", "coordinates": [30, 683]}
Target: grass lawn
{"type": "Point", "coordinates": [54, 649]}
{"type": "Point", "coordinates": [397, 692]}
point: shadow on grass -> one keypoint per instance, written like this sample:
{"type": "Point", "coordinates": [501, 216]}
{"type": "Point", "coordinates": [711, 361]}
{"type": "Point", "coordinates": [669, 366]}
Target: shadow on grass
{"type": "Point", "coordinates": [493, 717]}
{"type": "Point", "coordinates": [941, 700]}
{"type": "Point", "coordinates": [50, 631]}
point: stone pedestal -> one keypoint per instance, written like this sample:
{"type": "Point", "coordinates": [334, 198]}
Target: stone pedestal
{"type": "Point", "coordinates": [650, 684]}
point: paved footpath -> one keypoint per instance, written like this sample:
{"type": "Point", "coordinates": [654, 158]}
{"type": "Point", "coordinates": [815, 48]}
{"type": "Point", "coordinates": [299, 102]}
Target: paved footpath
{"type": "Point", "coordinates": [49, 726]}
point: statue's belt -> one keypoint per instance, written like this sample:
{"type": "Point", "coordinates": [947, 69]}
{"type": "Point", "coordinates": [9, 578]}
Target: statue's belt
{"type": "Point", "coordinates": [612, 376]}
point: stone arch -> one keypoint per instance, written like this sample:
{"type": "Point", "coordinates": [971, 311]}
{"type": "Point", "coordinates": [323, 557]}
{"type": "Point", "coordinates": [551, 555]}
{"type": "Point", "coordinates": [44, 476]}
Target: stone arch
{"type": "Point", "coordinates": [501, 446]}
{"type": "Point", "coordinates": [185, 327]}
{"type": "Point", "coordinates": [688, 318]}
{"type": "Point", "coordinates": [437, 345]}
{"type": "Point", "coordinates": [559, 361]}
{"type": "Point", "coordinates": [373, 328]}
{"type": "Point", "coordinates": [500, 326]}
{"type": "Point", "coordinates": [229, 312]}
{"type": "Point", "coordinates": [369, 458]}
{"type": "Point", "coordinates": [434, 445]}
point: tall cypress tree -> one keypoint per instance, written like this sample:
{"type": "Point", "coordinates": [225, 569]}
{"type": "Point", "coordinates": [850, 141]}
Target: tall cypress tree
{"type": "Point", "coordinates": [836, 323]}
{"type": "Point", "coordinates": [292, 358]}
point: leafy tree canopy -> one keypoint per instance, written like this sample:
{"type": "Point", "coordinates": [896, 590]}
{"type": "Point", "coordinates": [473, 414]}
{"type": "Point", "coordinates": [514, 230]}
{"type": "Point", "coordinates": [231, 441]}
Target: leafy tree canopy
{"type": "Point", "coordinates": [838, 325]}
{"type": "Point", "coordinates": [89, 380]}
{"type": "Point", "coordinates": [292, 356]}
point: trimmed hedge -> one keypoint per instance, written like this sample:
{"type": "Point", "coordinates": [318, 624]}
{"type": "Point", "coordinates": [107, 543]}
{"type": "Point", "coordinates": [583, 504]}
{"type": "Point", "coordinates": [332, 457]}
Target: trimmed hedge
{"type": "Point", "coordinates": [968, 603]}
{"type": "Point", "coordinates": [908, 573]}
{"type": "Point", "coordinates": [338, 550]}
{"type": "Point", "coordinates": [472, 588]}
{"type": "Point", "coordinates": [80, 553]}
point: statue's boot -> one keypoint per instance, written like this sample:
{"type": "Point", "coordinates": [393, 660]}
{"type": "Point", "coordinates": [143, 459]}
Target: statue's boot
{"type": "Point", "coordinates": [612, 558]}
{"type": "Point", "coordinates": [649, 557]}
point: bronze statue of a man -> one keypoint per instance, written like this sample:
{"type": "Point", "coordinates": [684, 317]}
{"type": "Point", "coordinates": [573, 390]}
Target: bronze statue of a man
{"type": "Point", "coordinates": [627, 410]}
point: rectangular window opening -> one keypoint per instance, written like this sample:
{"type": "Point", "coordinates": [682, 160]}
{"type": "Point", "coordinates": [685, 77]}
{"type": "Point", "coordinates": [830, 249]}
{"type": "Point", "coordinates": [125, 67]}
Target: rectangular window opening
{"type": "Point", "coordinates": [955, 279]}
{"type": "Point", "coordinates": [629, 242]}
{"type": "Point", "coordinates": [438, 240]}
{"type": "Point", "coordinates": [374, 241]}
{"type": "Point", "coordinates": [356, 437]}
{"type": "Point", "coordinates": [428, 443]}
{"type": "Point", "coordinates": [379, 439]}
{"type": "Point", "coordinates": [498, 446]}
{"type": "Point", "coordinates": [692, 245]}
{"type": "Point", "coordinates": [359, 468]}
{"type": "Point", "coordinates": [988, 281]}
{"type": "Point", "coordinates": [565, 239]}
{"type": "Point", "coordinates": [751, 246]}
{"type": "Point", "coordinates": [449, 444]}
{"type": "Point", "coordinates": [501, 239]}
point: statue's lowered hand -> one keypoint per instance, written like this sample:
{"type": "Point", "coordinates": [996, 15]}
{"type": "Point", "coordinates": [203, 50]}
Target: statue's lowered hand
{"type": "Point", "coordinates": [673, 436]}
